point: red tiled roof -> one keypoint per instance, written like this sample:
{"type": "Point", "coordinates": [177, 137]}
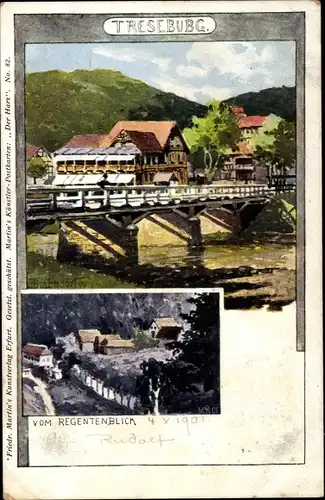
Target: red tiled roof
{"type": "Point", "coordinates": [35, 350]}
{"type": "Point", "coordinates": [85, 141]}
{"type": "Point", "coordinates": [31, 151]}
{"type": "Point", "coordinates": [161, 129]}
{"type": "Point", "coordinates": [251, 121]}
{"type": "Point", "coordinates": [237, 109]}
{"type": "Point", "coordinates": [145, 141]}
{"type": "Point", "coordinates": [243, 148]}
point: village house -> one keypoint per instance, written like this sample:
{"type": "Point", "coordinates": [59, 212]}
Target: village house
{"type": "Point", "coordinates": [151, 152]}
{"type": "Point", "coordinates": [56, 373]}
{"type": "Point", "coordinates": [238, 111]}
{"type": "Point", "coordinates": [27, 372]}
{"type": "Point", "coordinates": [165, 330]}
{"type": "Point", "coordinates": [241, 164]}
{"type": "Point", "coordinates": [93, 341]}
{"type": "Point", "coordinates": [251, 125]}
{"type": "Point", "coordinates": [37, 355]}
{"type": "Point", "coordinates": [39, 152]}
{"type": "Point", "coordinates": [86, 339]}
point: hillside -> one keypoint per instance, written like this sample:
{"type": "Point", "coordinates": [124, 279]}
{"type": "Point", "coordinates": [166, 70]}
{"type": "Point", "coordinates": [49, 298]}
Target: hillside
{"type": "Point", "coordinates": [33, 403]}
{"type": "Point", "coordinates": [47, 316]}
{"type": "Point", "coordinates": [280, 101]}
{"type": "Point", "coordinates": [61, 104]}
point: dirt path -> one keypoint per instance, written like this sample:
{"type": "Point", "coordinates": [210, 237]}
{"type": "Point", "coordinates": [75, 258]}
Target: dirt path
{"type": "Point", "coordinates": [42, 391]}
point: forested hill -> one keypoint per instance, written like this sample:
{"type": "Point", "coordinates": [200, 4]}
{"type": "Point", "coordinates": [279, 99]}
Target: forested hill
{"type": "Point", "coordinates": [61, 104]}
{"type": "Point", "coordinates": [46, 316]}
{"type": "Point", "coordinates": [280, 101]}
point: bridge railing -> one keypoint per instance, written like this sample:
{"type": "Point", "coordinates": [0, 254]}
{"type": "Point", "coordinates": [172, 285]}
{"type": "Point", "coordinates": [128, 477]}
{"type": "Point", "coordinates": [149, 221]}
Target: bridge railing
{"type": "Point", "coordinates": [203, 189]}
{"type": "Point", "coordinates": [95, 196]}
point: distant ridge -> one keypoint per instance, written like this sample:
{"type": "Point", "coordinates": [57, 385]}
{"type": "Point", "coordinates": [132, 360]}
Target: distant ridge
{"type": "Point", "coordinates": [280, 101]}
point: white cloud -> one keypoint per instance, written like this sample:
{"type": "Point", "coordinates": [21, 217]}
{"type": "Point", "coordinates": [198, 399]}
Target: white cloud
{"type": "Point", "coordinates": [223, 57]}
{"type": "Point", "coordinates": [170, 84]}
{"type": "Point", "coordinates": [199, 94]}
{"type": "Point", "coordinates": [192, 71]}
{"type": "Point", "coordinates": [130, 54]}
{"type": "Point", "coordinates": [215, 92]}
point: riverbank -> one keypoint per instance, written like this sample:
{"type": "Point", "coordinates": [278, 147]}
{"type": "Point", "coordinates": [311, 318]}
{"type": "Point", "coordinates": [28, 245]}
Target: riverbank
{"type": "Point", "coordinates": [244, 286]}
{"type": "Point", "coordinates": [47, 272]}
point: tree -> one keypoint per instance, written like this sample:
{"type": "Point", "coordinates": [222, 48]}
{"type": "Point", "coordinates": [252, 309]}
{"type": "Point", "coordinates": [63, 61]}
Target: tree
{"type": "Point", "coordinates": [148, 385]}
{"type": "Point", "coordinates": [36, 168]}
{"type": "Point", "coordinates": [285, 144]}
{"type": "Point", "coordinates": [142, 340]}
{"type": "Point", "coordinates": [211, 137]}
{"type": "Point", "coordinates": [265, 136]}
{"type": "Point", "coordinates": [279, 154]}
{"type": "Point", "coordinates": [176, 385]}
{"type": "Point", "coordinates": [201, 342]}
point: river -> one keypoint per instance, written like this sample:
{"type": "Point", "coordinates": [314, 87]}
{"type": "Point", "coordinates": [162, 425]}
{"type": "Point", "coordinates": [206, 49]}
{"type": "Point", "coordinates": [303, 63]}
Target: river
{"type": "Point", "coordinates": [251, 274]}
{"type": "Point", "coordinates": [213, 256]}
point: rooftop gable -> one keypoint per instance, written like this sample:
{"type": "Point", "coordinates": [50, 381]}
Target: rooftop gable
{"type": "Point", "coordinates": [167, 322]}
{"type": "Point", "coordinates": [160, 129]}
{"type": "Point", "coordinates": [146, 142]}
{"type": "Point", "coordinates": [237, 110]}
{"type": "Point", "coordinates": [88, 335]}
{"type": "Point", "coordinates": [85, 141]}
{"type": "Point", "coordinates": [243, 148]}
{"type": "Point", "coordinates": [251, 121]}
{"type": "Point", "coordinates": [36, 350]}
{"type": "Point", "coordinates": [32, 150]}
{"type": "Point", "coordinates": [119, 343]}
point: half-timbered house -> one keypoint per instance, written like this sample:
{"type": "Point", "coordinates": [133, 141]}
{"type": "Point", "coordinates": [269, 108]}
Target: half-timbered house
{"type": "Point", "coordinates": [38, 152]}
{"type": "Point", "coordinates": [140, 148]}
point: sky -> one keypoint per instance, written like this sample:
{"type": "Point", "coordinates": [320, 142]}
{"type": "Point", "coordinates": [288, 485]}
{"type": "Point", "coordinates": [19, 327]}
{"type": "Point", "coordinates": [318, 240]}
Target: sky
{"type": "Point", "coordinates": [198, 71]}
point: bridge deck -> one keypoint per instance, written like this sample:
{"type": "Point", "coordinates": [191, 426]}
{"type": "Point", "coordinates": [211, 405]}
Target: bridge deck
{"type": "Point", "coordinates": [94, 202]}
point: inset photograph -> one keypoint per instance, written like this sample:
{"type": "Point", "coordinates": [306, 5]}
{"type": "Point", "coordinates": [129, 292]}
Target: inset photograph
{"type": "Point", "coordinates": [121, 353]}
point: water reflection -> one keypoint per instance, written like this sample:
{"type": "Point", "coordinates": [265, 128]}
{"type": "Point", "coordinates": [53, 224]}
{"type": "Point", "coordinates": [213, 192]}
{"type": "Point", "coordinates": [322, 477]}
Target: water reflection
{"type": "Point", "coordinates": [221, 256]}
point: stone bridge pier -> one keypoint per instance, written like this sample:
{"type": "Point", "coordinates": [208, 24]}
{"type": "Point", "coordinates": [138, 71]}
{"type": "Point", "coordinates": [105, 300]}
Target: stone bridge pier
{"type": "Point", "coordinates": [107, 238]}
{"type": "Point", "coordinates": [175, 228]}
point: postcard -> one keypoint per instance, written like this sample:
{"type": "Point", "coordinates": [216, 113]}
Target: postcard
{"type": "Point", "coordinates": [161, 248]}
